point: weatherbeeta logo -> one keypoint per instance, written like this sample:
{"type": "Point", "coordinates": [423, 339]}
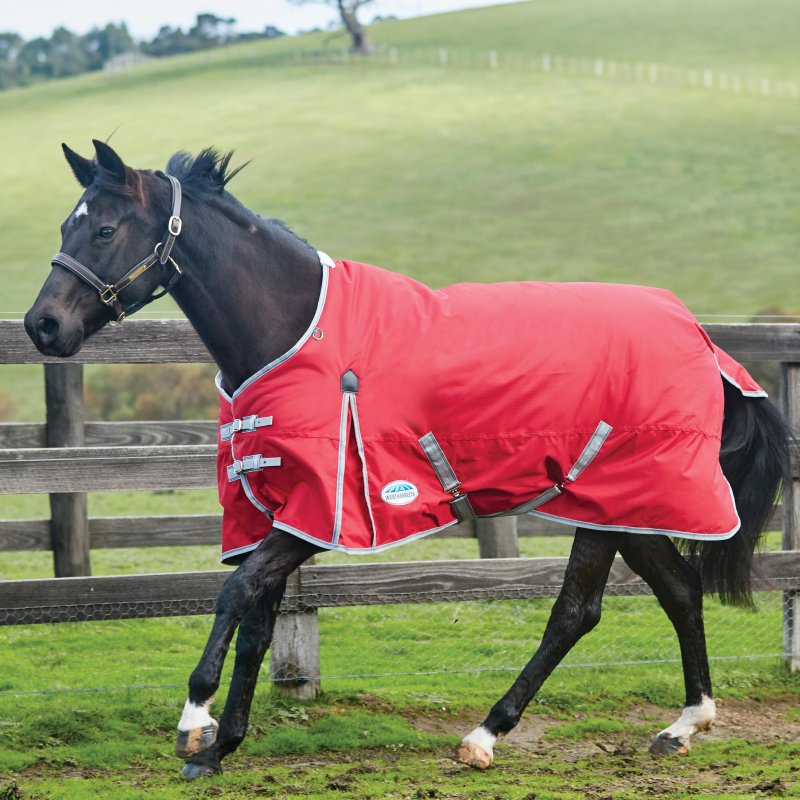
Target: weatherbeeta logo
{"type": "Point", "coordinates": [399, 493]}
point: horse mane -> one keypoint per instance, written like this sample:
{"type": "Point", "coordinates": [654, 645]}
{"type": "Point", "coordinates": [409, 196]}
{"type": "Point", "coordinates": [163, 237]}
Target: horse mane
{"type": "Point", "coordinates": [205, 174]}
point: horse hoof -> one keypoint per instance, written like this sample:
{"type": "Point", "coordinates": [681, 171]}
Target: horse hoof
{"type": "Point", "coordinates": [192, 771]}
{"type": "Point", "coordinates": [666, 745]}
{"type": "Point", "coordinates": [189, 743]}
{"type": "Point", "coordinates": [473, 755]}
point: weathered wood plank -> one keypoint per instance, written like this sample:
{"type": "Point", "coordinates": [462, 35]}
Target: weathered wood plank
{"type": "Point", "coordinates": [187, 529]}
{"type": "Point", "coordinates": [497, 537]}
{"type": "Point", "coordinates": [757, 341]}
{"type": "Point", "coordinates": [163, 341]}
{"type": "Point", "coordinates": [185, 593]}
{"type": "Point", "coordinates": [195, 529]}
{"type": "Point", "coordinates": [138, 341]}
{"type": "Point", "coordinates": [105, 532]}
{"type": "Point", "coordinates": [164, 433]}
{"type": "Point", "coordinates": [294, 652]}
{"type": "Point", "coordinates": [69, 524]}
{"type": "Point", "coordinates": [790, 538]}
{"type": "Point", "coordinates": [24, 534]}
{"type": "Point", "coordinates": [99, 469]}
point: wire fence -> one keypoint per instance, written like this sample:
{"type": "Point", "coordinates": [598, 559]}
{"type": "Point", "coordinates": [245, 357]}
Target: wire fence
{"type": "Point", "coordinates": [444, 640]}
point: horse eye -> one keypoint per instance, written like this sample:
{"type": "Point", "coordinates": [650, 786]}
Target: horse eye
{"type": "Point", "coordinates": [106, 232]}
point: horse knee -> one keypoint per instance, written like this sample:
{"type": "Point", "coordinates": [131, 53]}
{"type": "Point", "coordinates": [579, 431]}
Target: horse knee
{"type": "Point", "coordinates": [590, 618]}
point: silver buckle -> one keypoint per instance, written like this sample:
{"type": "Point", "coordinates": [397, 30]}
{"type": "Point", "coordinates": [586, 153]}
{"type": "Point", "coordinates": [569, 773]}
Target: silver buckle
{"type": "Point", "coordinates": [175, 225]}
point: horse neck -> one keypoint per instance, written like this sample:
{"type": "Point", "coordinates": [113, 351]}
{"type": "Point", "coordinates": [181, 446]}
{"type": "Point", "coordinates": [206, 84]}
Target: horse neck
{"type": "Point", "coordinates": [250, 288]}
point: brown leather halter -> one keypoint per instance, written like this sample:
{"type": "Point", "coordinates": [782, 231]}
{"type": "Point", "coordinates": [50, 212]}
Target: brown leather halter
{"type": "Point", "coordinates": [161, 254]}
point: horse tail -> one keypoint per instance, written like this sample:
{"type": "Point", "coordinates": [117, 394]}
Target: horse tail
{"type": "Point", "coordinates": [755, 458]}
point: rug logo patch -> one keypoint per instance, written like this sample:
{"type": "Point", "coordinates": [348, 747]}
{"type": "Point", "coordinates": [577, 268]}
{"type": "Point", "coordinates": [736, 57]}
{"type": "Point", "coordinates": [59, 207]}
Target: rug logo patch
{"type": "Point", "coordinates": [399, 493]}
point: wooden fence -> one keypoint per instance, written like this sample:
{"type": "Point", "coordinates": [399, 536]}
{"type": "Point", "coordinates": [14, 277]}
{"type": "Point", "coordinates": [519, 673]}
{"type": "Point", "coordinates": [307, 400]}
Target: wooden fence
{"type": "Point", "coordinates": [67, 457]}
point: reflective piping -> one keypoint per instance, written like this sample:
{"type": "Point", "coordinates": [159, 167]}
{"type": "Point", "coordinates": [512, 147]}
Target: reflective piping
{"type": "Point", "coordinates": [300, 342]}
{"type": "Point", "coordinates": [222, 392]}
{"type": "Point", "coordinates": [245, 425]}
{"type": "Point", "coordinates": [744, 392]}
{"type": "Point", "coordinates": [592, 448]}
{"type": "Point", "coordinates": [245, 484]}
{"type": "Point", "coordinates": [358, 550]}
{"type": "Point", "coordinates": [237, 551]}
{"type": "Point", "coordinates": [360, 446]}
{"type": "Point", "coordinates": [441, 466]}
{"type": "Point", "coordinates": [658, 531]}
{"type": "Point", "coordinates": [337, 519]}
{"type": "Point", "coordinates": [325, 260]}
{"type": "Point", "coordinates": [251, 464]}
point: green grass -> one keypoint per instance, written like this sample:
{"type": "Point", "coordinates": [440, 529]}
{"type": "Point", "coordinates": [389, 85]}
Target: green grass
{"type": "Point", "coordinates": [461, 174]}
{"type": "Point", "coordinates": [447, 174]}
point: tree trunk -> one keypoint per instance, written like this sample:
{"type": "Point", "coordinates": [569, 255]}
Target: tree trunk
{"type": "Point", "coordinates": [358, 33]}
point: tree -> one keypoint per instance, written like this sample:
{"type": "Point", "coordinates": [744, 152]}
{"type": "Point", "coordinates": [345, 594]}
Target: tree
{"type": "Point", "coordinates": [102, 44]}
{"type": "Point", "coordinates": [210, 30]}
{"type": "Point", "coordinates": [348, 11]}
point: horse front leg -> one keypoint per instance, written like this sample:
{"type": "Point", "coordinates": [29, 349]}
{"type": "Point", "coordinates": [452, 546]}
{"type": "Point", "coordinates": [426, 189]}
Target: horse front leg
{"type": "Point", "coordinates": [574, 614]}
{"type": "Point", "coordinates": [263, 573]}
{"type": "Point", "coordinates": [253, 640]}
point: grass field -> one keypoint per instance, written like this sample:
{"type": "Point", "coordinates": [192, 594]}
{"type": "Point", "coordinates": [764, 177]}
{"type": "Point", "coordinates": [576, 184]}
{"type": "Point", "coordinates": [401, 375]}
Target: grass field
{"type": "Point", "coordinates": [454, 174]}
{"type": "Point", "coordinates": [447, 174]}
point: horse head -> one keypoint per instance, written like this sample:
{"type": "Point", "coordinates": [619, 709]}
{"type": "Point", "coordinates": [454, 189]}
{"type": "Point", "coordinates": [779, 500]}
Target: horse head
{"type": "Point", "coordinates": [117, 220]}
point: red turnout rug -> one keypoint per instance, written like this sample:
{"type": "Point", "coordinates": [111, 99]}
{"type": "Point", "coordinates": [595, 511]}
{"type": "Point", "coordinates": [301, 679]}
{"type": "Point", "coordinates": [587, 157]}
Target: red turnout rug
{"type": "Point", "coordinates": [405, 409]}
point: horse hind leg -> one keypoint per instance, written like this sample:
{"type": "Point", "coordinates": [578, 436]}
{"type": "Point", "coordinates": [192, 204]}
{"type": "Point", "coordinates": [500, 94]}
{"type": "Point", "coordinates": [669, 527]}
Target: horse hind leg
{"type": "Point", "coordinates": [679, 590]}
{"type": "Point", "coordinates": [574, 614]}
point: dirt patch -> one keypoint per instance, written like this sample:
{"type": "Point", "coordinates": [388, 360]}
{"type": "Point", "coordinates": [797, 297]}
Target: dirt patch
{"type": "Point", "coordinates": [752, 720]}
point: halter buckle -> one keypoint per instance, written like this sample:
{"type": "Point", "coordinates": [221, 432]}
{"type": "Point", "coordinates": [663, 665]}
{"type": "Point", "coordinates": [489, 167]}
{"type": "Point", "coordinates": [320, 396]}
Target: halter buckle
{"type": "Point", "coordinates": [108, 295]}
{"type": "Point", "coordinates": [175, 225]}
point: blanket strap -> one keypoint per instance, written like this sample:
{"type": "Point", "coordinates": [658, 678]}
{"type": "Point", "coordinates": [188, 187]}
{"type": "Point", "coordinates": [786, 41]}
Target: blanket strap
{"type": "Point", "coordinates": [462, 508]}
{"type": "Point", "coordinates": [250, 464]}
{"type": "Point", "coordinates": [246, 424]}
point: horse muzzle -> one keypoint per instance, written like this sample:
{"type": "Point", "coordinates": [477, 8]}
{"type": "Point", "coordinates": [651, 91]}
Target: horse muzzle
{"type": "Point", "coordinates": [51, 336]}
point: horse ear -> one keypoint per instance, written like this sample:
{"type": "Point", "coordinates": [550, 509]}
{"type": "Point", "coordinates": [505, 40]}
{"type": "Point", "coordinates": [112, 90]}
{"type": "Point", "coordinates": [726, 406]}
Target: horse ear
{"type": "Point", "coordinates": [109, 160]}
{"type": "Point", "coordinates": [81, 167]}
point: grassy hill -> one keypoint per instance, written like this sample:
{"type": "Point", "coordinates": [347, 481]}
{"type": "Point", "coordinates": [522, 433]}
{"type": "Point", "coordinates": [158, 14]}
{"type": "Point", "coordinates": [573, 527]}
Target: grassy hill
{"type": "Point", "coordinates": [452, 173]}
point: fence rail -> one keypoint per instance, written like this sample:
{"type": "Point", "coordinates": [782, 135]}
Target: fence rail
{"type": "Point", "coordinates": [330, 586]}
{"type": "Point", "coordinates": [67, 458]}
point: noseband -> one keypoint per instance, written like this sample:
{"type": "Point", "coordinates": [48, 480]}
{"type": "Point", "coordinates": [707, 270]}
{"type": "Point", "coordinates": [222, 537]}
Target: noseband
{"type": "Point", "coordinates": [161, 254]}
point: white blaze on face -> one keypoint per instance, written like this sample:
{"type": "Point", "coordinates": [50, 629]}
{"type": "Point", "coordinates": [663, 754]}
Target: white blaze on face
{"type": "Point", "coordinates": [81, 211]}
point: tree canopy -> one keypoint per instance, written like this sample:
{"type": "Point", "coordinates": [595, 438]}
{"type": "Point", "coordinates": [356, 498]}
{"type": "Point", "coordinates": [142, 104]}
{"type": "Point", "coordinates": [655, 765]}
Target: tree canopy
{"type": "Point", "coordinates": [65, 53]}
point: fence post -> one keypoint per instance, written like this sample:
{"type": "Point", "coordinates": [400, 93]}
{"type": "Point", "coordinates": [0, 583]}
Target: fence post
{"type": "Point", "coordinates": [294, 653]}
{"type": "Point", "coordinates": [497, 537]}
{"type": "Point", "coordinates": [790, 400]}
{"type": "Point", "coordinates": [69, 525]}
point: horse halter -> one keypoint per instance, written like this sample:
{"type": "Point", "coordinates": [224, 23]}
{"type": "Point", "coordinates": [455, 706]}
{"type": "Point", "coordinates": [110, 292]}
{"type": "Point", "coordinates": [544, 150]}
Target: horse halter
{"type": "Point", "coordinates": [109, 291]}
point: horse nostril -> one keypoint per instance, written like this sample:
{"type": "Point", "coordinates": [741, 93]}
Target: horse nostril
{"type": "Point", "coordinates": [47, 328]}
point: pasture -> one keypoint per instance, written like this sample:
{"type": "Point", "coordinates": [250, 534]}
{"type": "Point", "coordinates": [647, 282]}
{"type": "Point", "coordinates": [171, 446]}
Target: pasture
{"type": "Point", "coordinates": [516, 175]}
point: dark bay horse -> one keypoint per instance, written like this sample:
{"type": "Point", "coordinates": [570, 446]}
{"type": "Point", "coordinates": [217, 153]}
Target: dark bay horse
{"type": "Point", "coordinates": [250, 288]}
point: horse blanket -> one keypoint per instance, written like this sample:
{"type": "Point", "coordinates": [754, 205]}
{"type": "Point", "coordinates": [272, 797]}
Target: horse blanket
{"type": "Point", "coordinates": [405, 409]}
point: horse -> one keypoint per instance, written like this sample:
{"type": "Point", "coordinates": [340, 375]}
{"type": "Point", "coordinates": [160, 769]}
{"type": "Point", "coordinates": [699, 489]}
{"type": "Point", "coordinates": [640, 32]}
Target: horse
{"type": "Point", "coordinates": [251, 289]}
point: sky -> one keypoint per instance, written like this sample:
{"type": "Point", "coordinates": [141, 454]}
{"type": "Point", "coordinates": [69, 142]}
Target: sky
{"type": "Point", "coordinates": [31, 18]}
